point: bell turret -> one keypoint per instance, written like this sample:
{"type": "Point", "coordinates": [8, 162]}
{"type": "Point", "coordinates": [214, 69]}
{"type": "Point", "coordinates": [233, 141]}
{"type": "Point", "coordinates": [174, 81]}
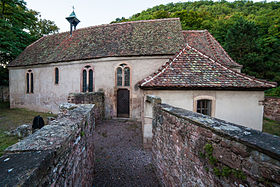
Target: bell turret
{"type": "Point", "coordinates": [73, 20]}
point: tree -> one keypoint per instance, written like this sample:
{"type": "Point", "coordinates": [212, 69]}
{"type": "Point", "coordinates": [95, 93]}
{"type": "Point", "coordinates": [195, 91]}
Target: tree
{"type": "Point", "coordinates": [190, 19]}
{"type": "Point", "coordinates": [241, 39]}
{"type": "Point", "coordinates": [161, 14]}
{"type": "Point", "coordinates": [4, 76]}
{"type": "Point", "coordinates": [19, 27]}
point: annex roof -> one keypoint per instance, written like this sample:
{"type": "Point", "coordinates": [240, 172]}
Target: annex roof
{"type": "Point", "coordinates": [191, 69]}
{"type": "Point", "coordinates": [203, 41]}
{"type": "Point", "coordinates": [136, 38]}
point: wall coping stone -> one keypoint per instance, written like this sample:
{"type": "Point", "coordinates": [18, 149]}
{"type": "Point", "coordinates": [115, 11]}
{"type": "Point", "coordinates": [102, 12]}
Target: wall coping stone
{"type": "Point", "coordinates": [153, 99]}
{"type": "Point", "coordinates": [86, 93]}
{"type": "Point", "coordinates": [58, 130]}
{"type": "Point", "coordinates": [272, 97]}
{"type": "Point", "coordinates": [19, 165]}
{"type": "Point", "coordinates": [34, 160]}
{"type": "Point", "coordinates": [263, 142]}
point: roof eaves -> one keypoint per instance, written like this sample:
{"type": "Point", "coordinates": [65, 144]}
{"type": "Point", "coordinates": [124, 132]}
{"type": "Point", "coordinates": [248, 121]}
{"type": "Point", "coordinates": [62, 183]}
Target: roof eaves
{"type": "Point", "coordinates": [204, 88]}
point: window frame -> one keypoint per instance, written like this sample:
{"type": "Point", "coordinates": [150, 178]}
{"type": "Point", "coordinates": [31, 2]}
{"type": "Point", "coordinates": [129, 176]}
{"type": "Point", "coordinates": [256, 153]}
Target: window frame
{"type": "Point", "coordinates": [87, 68]}
{"type": "Point", "coordinates": [29, 84]}
{"type": "Point", "coordinates": [205, 97]}
{"type": "Point", "coordinates": [123, 66]}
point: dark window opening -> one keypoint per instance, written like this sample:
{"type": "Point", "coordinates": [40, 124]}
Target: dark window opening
{"type": "Point", "coordinates": [27, 82]}
{"type": "Point", "coordinates": [90, 88]}
{"type": "Point", "coordinates": [126, 76]}
{"type": "Point", "coordinates": [56, 75]}
{"type": "Point", "coordinates": [31, 82]}
{"type": "Point", "coordinates": [84, 80]}
{"type": "Point", "coordinates": [204, 106]}
{"type": "Point", "coordinates": [119, 76]}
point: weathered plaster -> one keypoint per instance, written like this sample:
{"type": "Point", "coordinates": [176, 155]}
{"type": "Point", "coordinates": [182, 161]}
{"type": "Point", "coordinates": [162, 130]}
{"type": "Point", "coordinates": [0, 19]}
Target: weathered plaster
{"type": "Point", "coordinates": [47, 96]}
{"type": "Point", "coordinates": [240, 107]}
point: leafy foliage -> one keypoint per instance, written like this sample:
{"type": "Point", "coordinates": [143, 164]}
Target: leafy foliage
{"type": "Point", "coordinates": [19, 27]}
{"type": "Point", "coordinates": [275, 92]}
{"type": "Point", "coordinates": [249, 31]}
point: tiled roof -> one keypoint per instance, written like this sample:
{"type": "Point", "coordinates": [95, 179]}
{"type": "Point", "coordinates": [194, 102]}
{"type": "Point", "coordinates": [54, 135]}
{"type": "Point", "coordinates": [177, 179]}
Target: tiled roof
{"type": "Point", "coordinates": [138, 38]}
{"type": "Point", "coordinates": [203, 41]}
{"type": "Point", "coordinates": [191, 69]}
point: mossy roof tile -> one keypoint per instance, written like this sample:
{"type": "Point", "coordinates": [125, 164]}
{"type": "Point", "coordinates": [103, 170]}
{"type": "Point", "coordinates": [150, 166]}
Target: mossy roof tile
{"type": "Point", "coordinates": [138, 38]}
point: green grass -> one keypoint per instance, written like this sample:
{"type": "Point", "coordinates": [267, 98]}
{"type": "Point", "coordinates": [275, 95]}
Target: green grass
{"type": "Point", "coordinates": [6, 141]}
{"type": "Point", "coordinates": [271, 126]}
{"type": "Point", "coordinates": [11, 119]}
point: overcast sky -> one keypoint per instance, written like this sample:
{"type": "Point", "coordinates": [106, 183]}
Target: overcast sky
{"type": "Point", "coordinates": [91, 12]}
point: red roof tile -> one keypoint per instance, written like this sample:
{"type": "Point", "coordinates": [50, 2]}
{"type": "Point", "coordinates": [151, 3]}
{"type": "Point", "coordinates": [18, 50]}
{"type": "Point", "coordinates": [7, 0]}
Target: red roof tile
{"type": "Point", "coordinates": [203, 41]}
{"type": "Point", "coordinates": [191, 69]}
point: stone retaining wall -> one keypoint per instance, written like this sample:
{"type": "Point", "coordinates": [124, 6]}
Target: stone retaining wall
{"type": "Point", "coordinates": [96, 98]}
{"type": "Point", "coordinates": [191, 149]}
{"type": "Point", "coordinates": [272, 108]}
{"type": "Point", "coordinates": [4, 93]}
{"type": "Point", "coordinates": [59, 154]}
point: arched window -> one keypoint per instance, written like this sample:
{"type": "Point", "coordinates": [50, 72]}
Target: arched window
{"type": "Point", "coordinates": [87, 79]}
{"type": "Point", "coordinates": [29, 82]}
{"type": "Point", "coordinates": [56, 76]}
{"type": "Point", "coordinates": [205, 105]}
{"type": "Point", "coordinates": [123, 75]}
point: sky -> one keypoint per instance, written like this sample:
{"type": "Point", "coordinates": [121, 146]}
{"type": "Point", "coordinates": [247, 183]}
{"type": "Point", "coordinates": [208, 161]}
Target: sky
{"type": "Point", "coordinates": [91, 12]}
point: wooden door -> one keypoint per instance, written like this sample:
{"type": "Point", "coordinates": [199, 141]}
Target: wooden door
{"type": "Point", "coordinates": [123, 103]}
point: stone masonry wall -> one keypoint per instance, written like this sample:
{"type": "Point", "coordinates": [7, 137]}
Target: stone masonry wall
{"type": "Point", "coordinates": [191, 149]}
{"type": "Point", "coordinates": [59, 154]}
{"type": "Point", "coordinates": [4, 93]}
{"type": "Point", "coordinates": [96, 98]}
{"type": "Point", "coordinates": [272, 108]}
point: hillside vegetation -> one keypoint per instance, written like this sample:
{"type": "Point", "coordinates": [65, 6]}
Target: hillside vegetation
{"type": "Point", "coordinates": [250, 32]}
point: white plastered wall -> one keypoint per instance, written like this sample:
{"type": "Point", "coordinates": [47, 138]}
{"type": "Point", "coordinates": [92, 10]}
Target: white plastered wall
{"type": "Point", "coordinates": [239, 107]}
{"type": "Point", "coordinates": [47, 96]}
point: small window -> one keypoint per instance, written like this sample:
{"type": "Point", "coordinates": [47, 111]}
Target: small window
{"type": "Point", "coordinates": [56, 76]}
{"type": "Point", "coordinates": [87, 79]}
{"type": "Point", "coordinates": [204, 106]}
{"type": "Point", "coordinates": [29, 82]}
{"type": "Point", "coordinates": [84, 80]}
{"type": "Point", "coordinates": [119, 76]}
{"type": "Point", "coordinates": [90, 86]}
{"type": "Point", "coordinates": [123, 75]}
{"type": "Point", "coordinates": [126, 76]}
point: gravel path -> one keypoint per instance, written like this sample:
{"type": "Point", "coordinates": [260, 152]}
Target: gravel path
{"type": "Point", "coordinates": [119, 157]}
